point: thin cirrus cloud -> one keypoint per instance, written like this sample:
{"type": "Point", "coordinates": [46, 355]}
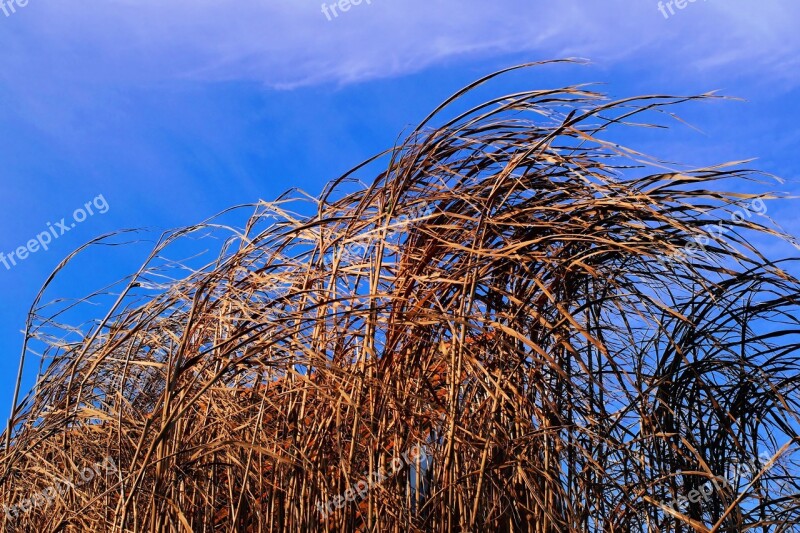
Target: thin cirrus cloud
{"type": "Point", "coordinates": [290, 43]}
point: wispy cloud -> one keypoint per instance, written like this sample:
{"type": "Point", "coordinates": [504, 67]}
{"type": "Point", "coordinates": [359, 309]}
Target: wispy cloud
{"type": "Point", "coordinates": [284, 43]}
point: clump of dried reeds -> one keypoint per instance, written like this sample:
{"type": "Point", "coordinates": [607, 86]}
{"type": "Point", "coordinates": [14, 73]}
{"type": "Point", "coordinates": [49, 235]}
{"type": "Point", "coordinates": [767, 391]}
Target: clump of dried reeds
{"type": "Point", "coordinates": [509, 309]}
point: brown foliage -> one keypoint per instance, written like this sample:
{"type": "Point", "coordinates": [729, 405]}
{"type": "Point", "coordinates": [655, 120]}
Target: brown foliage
{"type": "Point", "coordinates": [560, 377]}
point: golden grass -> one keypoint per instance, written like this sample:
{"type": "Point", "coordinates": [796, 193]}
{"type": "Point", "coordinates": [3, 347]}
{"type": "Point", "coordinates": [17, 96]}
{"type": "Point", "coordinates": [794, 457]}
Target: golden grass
{"type": "Point", "coordinates": [560, 377]}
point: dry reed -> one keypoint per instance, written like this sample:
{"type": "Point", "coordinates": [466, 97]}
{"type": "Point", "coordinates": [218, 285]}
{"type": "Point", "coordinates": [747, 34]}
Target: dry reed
{"type": "Point", "coordinates": [507, 309]}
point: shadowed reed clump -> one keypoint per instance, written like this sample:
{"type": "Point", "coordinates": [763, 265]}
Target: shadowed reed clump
{"type": "Point", "coordinates": [509, 312]}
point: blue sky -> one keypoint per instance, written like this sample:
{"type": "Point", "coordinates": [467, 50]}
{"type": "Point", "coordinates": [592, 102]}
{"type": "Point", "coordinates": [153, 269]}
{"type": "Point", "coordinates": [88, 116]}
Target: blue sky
{"type": "Point", "coordinates": [175, 112]}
